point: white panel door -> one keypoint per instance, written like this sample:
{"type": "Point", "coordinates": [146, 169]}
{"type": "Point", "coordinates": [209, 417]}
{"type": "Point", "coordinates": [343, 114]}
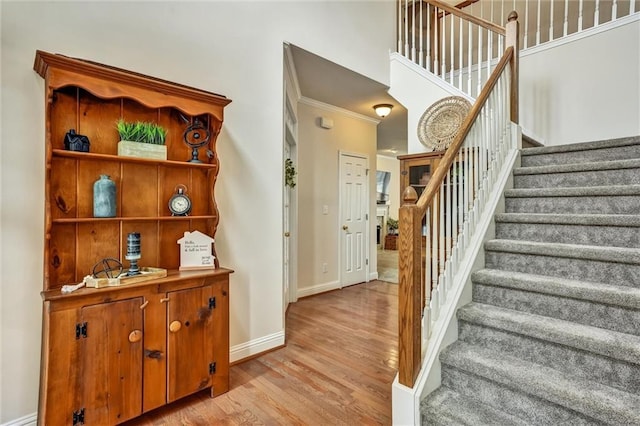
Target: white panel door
{"type": "Point", "coordinates": [354, 219]}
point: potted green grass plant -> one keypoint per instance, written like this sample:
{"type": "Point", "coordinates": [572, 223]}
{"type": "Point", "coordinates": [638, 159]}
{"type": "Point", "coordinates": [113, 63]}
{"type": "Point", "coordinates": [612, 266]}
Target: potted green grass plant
{"type": "Point", "coordinates": [141, 139]}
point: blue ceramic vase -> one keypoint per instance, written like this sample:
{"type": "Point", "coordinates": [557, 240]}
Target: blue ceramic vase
{"type": "Point", "coordinates": [104, 197]}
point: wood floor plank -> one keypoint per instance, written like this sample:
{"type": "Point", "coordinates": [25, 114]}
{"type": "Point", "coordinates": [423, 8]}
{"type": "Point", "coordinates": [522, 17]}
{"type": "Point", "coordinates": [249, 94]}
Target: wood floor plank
{"type": "Point", "coordinates": [337, 368]}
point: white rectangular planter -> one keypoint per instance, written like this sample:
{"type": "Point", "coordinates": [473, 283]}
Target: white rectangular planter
{"type": "Point", "coordinates": [142, 150]}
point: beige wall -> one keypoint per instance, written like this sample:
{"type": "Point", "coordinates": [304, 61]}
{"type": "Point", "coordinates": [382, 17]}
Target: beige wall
{"type": "Point", "coordinates": [318, 177]}
{"type": "Point", "coordinates": [232, 48]}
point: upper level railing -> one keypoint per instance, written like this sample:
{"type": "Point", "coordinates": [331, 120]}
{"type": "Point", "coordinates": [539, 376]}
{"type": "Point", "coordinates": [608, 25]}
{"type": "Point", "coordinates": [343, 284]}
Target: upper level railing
{"type": "Point", "coordinates": [547, 20]}
{"type": "Point", "coordinates": [436, 232]}
{"type": "Point", "coordinates": [461, 44]}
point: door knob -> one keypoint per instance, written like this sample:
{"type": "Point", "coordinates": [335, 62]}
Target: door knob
{"type": "Point", "coordinates": [345, 228]}
{"type": "Point", "coordinates": [175, 326]}
{"type": "Point", "coordinates": [287, 234]}
{"type": "Point", "coordinates": [135, 336]}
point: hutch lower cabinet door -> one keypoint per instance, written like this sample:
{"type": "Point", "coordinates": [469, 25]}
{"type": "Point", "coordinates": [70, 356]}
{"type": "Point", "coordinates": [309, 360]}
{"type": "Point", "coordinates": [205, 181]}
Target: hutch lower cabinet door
{"type": "Point", "coordinates": [192, 323]}
{"type": "Point", "coordinates": [111, 362]}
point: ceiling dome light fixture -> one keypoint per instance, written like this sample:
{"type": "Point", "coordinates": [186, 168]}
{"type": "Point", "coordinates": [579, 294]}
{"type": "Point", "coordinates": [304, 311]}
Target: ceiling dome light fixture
{"type": "Point", "coordinates": [383, 109]}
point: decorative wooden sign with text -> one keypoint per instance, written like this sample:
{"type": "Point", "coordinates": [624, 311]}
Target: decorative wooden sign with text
{"type": "Point", "coordinates": [196, 251]}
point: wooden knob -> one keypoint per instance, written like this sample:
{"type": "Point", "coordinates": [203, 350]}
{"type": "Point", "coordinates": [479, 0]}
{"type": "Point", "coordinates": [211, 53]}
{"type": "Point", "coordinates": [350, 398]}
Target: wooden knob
{"type": "Point", "coordinates": [144, 305]}
{"type": "Point", "coordinates": [135, 336]}
{"type": "Point", "coordinates": [175, 326]}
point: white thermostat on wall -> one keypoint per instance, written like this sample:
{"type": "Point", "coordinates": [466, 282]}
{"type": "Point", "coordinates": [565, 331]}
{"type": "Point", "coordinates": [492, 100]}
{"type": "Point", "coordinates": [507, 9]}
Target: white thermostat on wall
{"type": "Point", "coordinates": [196, 251]}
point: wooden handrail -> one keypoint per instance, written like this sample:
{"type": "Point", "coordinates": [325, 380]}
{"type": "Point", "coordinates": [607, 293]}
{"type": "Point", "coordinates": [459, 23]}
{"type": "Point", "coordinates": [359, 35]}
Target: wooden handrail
{"type": "Point", "coordinates": [478, 21]}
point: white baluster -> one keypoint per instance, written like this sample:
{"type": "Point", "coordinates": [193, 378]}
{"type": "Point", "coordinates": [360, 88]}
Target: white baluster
{"type": "Point", "coordinates": [551, 21]}
{"type": "Point", "coordinates": [400, 27]}
{"type": "Point", "coordinates": [448, 234]}
{"type": "Point", "coordinates": [469, 59]}
{"type": "Point", "coordinates": [452, 54]}
{"type": "Point", "coordinates": [427, 260]}
{"type": "Point", "coordinates": [526, 23]}
{"type": "Point", "coordinates": [443, 49]}
{"type": "Point", "coordinates": [428, 63]}
{"type": "Point", "coordinates": [632, 7]}
{"type": "Point", "coordinates": [580, 10]}
{"type": "Point", "coordinates": [489, 51]}
{"type": "Point", "coordinates": [566, 18]}
{"type": "Point", "coordinates": [413, 31]}
{"type": "Point", "coordinates": [479, 61]}
{"type": "Point", "coordinates": [614, 10]}
{"type": "Point", "coordinates": [421, 52]}
{"type": "Point", "coordinates": [538, 25]}
{"type": "Point", "coordinates": [434, 243]}
{"type": "Point", "coordinates": [460, 50]}
{"type": "Point", "coordinates": [596, 14]}
{"type": "Point", "coordinates": [406, 29]}
{"type": "Point", "coordinates": [441, 236]}
{"type": "Point", "coordinates": [436, 35]}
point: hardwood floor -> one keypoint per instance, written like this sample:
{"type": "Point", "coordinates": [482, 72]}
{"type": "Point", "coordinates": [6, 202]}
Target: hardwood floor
{"type": "Point", "coordinates": [337, 368]}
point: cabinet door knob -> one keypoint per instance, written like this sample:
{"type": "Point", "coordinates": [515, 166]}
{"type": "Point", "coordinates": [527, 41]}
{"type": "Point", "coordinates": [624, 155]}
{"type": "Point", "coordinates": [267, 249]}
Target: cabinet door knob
{"type": "Point", "coordinates": [144, 305]}
{"type": "Point", "coordinates": [165, 299]}
{"type": "Point", "coordinates": [175, 326]}
{"type": "Point", "coordinates": [135, 336]}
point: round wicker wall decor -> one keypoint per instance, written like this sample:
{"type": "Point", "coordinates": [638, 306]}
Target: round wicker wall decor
{"type": "Point", "coordinates": [440, 123]}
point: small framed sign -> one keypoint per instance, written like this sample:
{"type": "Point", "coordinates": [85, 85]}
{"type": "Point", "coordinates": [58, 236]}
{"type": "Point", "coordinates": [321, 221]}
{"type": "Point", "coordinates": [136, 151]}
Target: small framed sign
{"type": "Point", "coordinates": [196, 251]}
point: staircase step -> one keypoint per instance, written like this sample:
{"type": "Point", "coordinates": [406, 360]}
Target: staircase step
{"type": "Point", "coordinates": [589, 229]}
{"type": "Point", "coordinates": [586, 152]}
{"type": "Point", "coordinates": [614, 199]}
{"type": "Point", "coordinates": [605, 306]}
{"type": "Point", "coordinates": [533, 392]}
{"type": "Point", "coordinates": [591, 353]}
{"type": "Point", "coordinates": [579, 174]}
{"type": "Point", "coordinates": [610, 265]}
{"type": "Point", "coordinates": [445, 406]}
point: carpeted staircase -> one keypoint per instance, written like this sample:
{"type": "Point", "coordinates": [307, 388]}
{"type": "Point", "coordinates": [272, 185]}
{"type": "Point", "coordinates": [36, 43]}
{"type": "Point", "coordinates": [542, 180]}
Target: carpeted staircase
{"type": "Point", "coordinates": [553, 333]}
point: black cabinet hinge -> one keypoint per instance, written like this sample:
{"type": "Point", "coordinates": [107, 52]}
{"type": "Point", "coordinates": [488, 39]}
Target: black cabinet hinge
{"type": "Point", "coordinates": [212, 368]}
{"type": "Point", "coordinates": [78, 417]}
{"type": "Point", "coordinates": [212, 303]}
{"type": "Point", "coordinates": [81, 330]}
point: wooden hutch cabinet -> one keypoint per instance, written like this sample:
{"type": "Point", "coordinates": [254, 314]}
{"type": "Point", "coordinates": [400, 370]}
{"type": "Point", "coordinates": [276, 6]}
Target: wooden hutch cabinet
{"type": "Point", "coordinates": [416, 170]}
{"type": "Point", "coordinates": [110, 354]}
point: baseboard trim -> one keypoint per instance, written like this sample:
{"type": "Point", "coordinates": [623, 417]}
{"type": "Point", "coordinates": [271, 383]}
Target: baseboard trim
{"type": "Point", "coordinates": [256, 346]}
{"type": "Point", "coordinates": [28, 420]}
{"type": "Point", "coordinates": [373, 276]}
{"type": "Point", "coordinates": [319, 288]}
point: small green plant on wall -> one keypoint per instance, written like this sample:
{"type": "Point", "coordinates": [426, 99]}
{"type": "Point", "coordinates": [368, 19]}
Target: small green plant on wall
{"type": "Point", "coordinates": [142, 132]}
{"type": "Point", "coordinates": [289, 173]}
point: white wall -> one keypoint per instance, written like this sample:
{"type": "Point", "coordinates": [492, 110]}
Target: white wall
{"type": "Point", "coordinates": [584, 90]}
{"type": "Point", "coordinates": [318, 178]}
{"type": "Point", "coordinates": [416, 91]}
{"type": "Point", "coordinates": [392, 164]}
{"type": "Point", "coordinates": [232, 48]}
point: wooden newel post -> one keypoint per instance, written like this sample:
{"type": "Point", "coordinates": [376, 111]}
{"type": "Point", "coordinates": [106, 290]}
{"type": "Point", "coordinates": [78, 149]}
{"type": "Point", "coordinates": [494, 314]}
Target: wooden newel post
{"type": "Point", "coordinates": [409, 292]}
{"type": "Point", "coordinates": [513, 39]}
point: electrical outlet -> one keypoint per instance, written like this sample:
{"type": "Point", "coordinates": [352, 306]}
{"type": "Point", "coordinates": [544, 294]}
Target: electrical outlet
{"type": "Point", "coordinates": [325, 268]}
{"type": "Point", "coordinates": [325, 209]}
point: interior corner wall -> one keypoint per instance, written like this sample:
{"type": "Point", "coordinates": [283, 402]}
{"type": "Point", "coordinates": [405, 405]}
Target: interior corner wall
{"type": "Point", "coordinates": [223, 47]}
{"type": "Point", "coordinates": [318, 178]}
{"type": "Point", "coordinates": [416, 93]}
{"type": "Point", "coordinates": [584, 90]}
{"type": "Point", "coordinates": [392, 164]}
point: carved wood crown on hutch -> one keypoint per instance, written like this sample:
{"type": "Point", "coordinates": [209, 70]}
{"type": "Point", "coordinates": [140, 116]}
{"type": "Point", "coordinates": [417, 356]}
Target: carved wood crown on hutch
{"type": "Point", "coordinates": [59, 71]}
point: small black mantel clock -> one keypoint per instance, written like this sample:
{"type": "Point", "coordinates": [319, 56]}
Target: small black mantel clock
{"type": "Point", "coordinates": [180, 203]}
